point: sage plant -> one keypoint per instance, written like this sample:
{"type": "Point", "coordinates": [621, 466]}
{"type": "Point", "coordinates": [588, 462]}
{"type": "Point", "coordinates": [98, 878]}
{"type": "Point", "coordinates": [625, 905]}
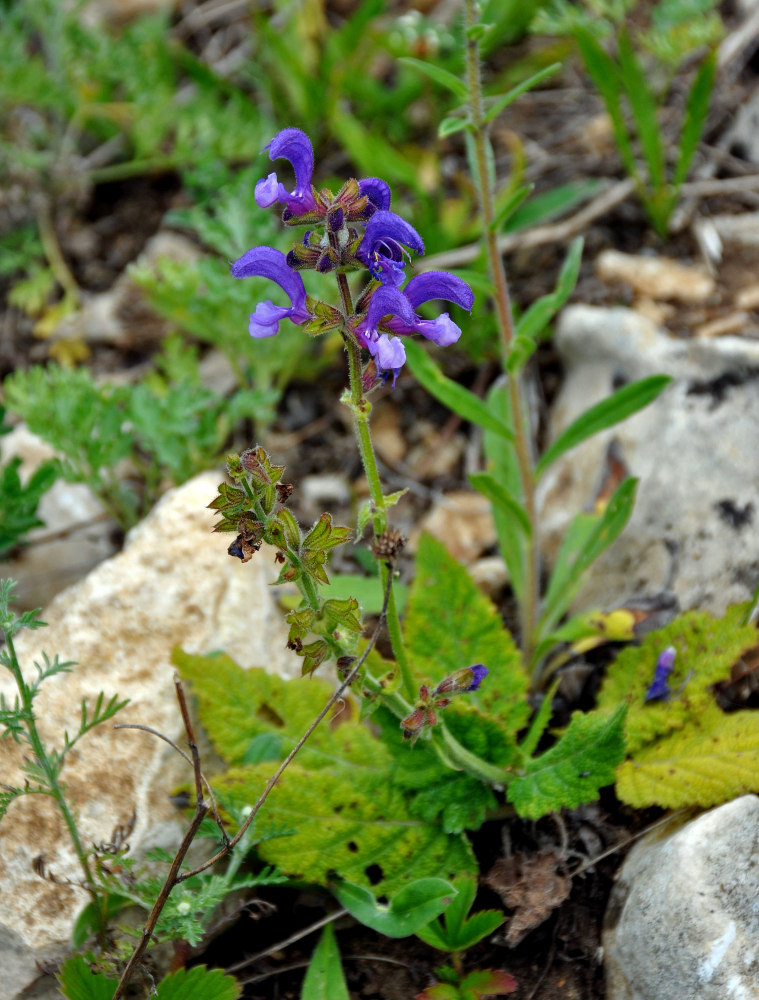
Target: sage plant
{"type": "Point", "coordinates": [354, 230]}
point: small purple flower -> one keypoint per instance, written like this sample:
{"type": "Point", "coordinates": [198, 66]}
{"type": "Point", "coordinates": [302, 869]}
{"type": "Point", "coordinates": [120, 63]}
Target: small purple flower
{"type": "Point", "coordinates": [266, 262]}
{"type": "Point", "coordinates": [382, 247]}
{"type": "Point", "coordinates": [463, 680]}
{"type": "Point", "coordinates": [659, 689]}
{"type": "Point", "coordinates": [293, 145]}
{"type": "Point", "coordinates": [400, 306]}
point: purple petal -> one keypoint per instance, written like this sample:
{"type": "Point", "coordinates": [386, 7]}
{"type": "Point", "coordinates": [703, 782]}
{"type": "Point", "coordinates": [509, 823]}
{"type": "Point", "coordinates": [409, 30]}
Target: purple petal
{"type": "Point", "coordinates": [438, 285]}
{"type": "Point", "coordinates": [479, 672]}
{"type": "Point", "coordinates": [659, 689]}
{"type": "Point", "coordinates": [264, 322]}
{"type": "Point", "coordinates": [388, 352]}
{"type": "Point", "coordinates": [441, 330]}
{"type": "Point", "coordinates": [377, 191]}
{"type": "Point", "coordinates": [293, 145]}
{"type": "Point", "coordinates": [387, 300]}
{"type": "Point", "coordinates": [386, 230]}
{"type": "Point", "coordinates": [266, 262]}
{"type": "Point", "coordinates": [269, 191]}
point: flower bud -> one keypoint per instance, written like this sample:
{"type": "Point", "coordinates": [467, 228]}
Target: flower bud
{"type": "Point", "coordinates": [463, 680]}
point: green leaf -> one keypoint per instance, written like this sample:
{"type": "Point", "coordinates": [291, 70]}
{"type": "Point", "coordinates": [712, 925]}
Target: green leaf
{"type": "Point", "coordinates": [366, 589]}
{"type": "Point", "coordinates": [78, 982]}
{"type": "Point", "coordinates": [487, 983]}
{"type": "Point", "coordinates": [706, 647]}
{"type": "Point", "coordinates": [456, 931]}
{"type": "Point", "coordinates": [415, 905]}
{"type": "Point", "coordinates": [644, 110]}
{"type": "Point", "coordinates": [503, 466]}
{"type": "Point", "coordinates": [439, 75]}
{"type": "Point", "coordinates": [588, 536]}
{"type": "Point", "coordinates": [510, 205]}
{"type": "Point", "coordinates": [345, 821]}
{"type": "Point", "coordinates": [714, 759]}
{"type": "Point", "coordinates": [451, 394]}
{"type": "Point", "coordinates": [607, 77]}
{"type": "Point", "coordinates": [265, 746]}
{"type": "Point", "coordinates": [324, 978]}
{"type": "Point", "coordinates": [499, 496]}
{"type": "Point", "coordinates": [368, 510]}
{"type": "Point", "coordinates": [617, 407]}
{"type": "Point", "coordinates": [552, 204]}
{"type": "Point", "coordinates": [19, 502]}
{"type": "Point", "coordinates": [90, 919]}
{"type": "Point", "coordinates": [696, 111]}
{"type": "Point", "coordinates": [450, 126]}
{"type": "Point", "coordinates": [571, 772]}
{"type": "Point", "coordinates": [198, 983]}
{"type": "Point", "coordinates": [540, 721]}
{"type": "Point", "coordinates": [534, 320]}
{"type": "Point", "coordinates": [501, 103]}
{"type": "Point", "coordinates": [450, 624]}
{"type": "Point", "coordinates": [237, 705]}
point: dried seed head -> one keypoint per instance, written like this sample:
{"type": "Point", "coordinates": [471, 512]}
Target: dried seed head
{"type": "Point", "coordinates": [387, 545]}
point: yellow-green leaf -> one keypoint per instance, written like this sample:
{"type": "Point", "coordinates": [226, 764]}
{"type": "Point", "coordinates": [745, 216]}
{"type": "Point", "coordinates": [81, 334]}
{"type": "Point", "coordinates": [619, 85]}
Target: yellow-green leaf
{"type": "Point", "coordinates": [707, 647]}
{"type": "Point", "coordinates": [715, 759]}
{"type": "Point", "coordinates": [336, 822]}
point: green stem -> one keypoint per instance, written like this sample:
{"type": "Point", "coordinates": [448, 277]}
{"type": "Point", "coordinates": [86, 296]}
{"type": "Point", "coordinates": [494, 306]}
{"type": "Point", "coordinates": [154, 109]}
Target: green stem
{"type": "Point", "coordinates": [452, 753]}
{"type": "Point", "coordinates": [361, 408]}
{"type": "Point", "coordinates": [51, 778]}
{"type": "Point", "coordinates": [522, 429]}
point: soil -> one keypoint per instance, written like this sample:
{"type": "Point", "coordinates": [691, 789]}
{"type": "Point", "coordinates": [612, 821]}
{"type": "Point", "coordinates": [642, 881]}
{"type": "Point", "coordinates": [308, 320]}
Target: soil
{"type": "Point", "coordinates": [559, 953]}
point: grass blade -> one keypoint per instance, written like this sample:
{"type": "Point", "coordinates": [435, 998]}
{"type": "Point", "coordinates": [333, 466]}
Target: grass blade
{"type": "Point", "coordinates": [453, 395]}
{"type": "Point", "coordinates": [622, 404]}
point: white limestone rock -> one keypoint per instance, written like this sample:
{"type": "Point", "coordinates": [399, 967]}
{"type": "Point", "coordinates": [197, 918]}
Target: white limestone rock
{"type": "Point", "coordinates": [694, 528]}
{"type": "Point", "coordinates": [173, 584]}
{"type": "Point", "coordinates": [683, 921]}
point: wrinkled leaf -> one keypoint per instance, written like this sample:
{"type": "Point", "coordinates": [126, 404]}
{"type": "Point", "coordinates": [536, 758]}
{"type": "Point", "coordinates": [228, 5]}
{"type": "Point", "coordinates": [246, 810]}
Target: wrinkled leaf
{"type": "Point", "coordinates": [575, 769]}
{"type": "Point", "coordinates": [78, 982]}
{"type": "Point", "coordinates": [712, 760]}
{"type": "Point", "coordinates": [198, 983]}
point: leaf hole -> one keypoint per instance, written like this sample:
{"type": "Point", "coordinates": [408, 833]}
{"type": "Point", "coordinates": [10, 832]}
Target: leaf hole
{"type": "Point", "coordinates": [374, 873]}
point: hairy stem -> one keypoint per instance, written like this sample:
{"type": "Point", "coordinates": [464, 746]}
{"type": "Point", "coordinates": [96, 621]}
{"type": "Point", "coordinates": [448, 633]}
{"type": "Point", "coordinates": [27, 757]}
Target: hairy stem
{"type": "Point", "coordinates": [49, 770]}
{"type": "Point", "coordinates": [522, 430]}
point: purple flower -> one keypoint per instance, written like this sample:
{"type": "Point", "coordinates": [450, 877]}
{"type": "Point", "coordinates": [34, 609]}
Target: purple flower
{"type": "Point", "coordinates": [382, 247]}
{"type": "Point", "coordinates": [293, 145]}
{"type": "Point", "coordinates": [266, 262]}
{"type": "Point", "coordinates": [659, 689]}
{"type": "Point", "coordinates": [400, 306]}
{"type": "Point", "coordinates": [463, 680]}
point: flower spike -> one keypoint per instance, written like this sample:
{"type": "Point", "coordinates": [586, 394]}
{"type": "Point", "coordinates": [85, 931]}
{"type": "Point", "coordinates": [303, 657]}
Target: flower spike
{"type": "Point", "coordinates": [266, 262]}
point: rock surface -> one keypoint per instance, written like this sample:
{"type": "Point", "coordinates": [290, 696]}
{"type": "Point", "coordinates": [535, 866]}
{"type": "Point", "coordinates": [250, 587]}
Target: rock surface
{"type": "Point", "coordinates": [682, 921]}
{"type": "Point", "coordinates": [694, 527]}
{"type": "Point", "coordinates": [173, 584]}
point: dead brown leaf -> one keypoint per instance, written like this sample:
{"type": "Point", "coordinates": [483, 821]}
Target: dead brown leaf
{"type": "Point", "coordinates": [532, 885]}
